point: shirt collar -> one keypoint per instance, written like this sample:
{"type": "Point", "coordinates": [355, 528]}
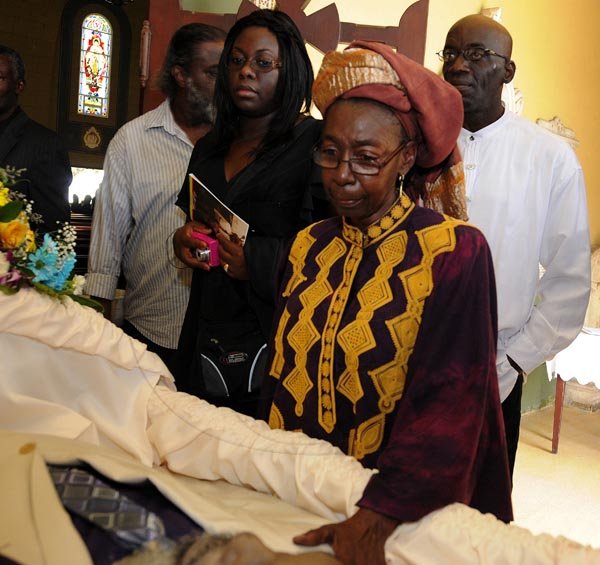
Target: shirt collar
{"type": "Point", "coordinates": [489, 130]}
{"type": "Point", "coordinates": [163, 118]}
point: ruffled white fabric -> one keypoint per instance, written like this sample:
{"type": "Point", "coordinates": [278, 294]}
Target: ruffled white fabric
{"type": "Point", "coordinates": [459, 534]}
{"type": "Point", "coordinates": [65, 324]}
{"type": "Point", "coordinates": [197, 439]}
{"type": "Point", "coordinates": [68, 372]}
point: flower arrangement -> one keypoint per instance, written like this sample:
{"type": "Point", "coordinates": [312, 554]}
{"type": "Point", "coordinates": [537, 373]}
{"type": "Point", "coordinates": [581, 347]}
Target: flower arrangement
{"type": "Point", "coordinates": [47, 265]}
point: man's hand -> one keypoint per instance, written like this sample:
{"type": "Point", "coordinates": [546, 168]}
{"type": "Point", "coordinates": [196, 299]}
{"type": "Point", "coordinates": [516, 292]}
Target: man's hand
{"type": "Point", "coordinates": [185, 244]}
{"type": "Point", "coordinates": [359, 540]}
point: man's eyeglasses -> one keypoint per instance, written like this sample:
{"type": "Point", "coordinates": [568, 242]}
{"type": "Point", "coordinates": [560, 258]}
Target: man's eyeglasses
{"type": "Point", "coordinates": [258, 64]}
{"type": "Point", "coordinates": [365, 165]}
{"type": "Point", "coordinates": [472, 54]}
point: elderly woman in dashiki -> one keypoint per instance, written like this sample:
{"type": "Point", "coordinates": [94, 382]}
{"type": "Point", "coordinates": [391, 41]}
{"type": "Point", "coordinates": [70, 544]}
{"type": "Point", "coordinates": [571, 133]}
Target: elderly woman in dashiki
{"type": "Point", "coordinates": [386, 332]}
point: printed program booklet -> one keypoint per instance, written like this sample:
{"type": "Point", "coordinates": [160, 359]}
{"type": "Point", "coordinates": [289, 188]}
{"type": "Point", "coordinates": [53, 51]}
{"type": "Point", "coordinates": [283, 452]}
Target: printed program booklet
{"type": "Point", "coordinates": [207, 209]}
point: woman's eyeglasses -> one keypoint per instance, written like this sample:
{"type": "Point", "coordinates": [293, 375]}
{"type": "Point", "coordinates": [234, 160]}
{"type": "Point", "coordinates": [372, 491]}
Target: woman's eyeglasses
{"type": "Point", "coordinates": [364, 165]}
{"type": "Point", "coordinates": [258, 64]}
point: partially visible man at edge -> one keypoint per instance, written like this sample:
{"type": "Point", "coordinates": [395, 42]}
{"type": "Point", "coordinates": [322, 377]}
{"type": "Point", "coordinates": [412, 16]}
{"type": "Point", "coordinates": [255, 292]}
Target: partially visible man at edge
{"type": "Point", "coordinates": [25, 144]}
{"type": "Point", "coordinates": [526, 192]}
{"type": "Point", "coordinates": [135, 214]}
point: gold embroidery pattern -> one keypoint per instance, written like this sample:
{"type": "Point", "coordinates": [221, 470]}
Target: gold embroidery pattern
{"type": "Point", "coordinates": [389, 379]}
{"type": "Point", "coordinates": [278, 359]}
{"type": "Point", "coordinates": [351, 386]}
{"type": "Point", "coordinates": [303, 335]}
{"type": "Point", "coordinates": [357, 337]}
{"type": "Point", "coordinates": [360, 333]}
{"type": "Point", "coordinates": [367, 437]}
{"type": "Point", "coordinates": [326, 393]}
{"type": "Point", "coordinates": [276, 419]}
{"type": "Point", "coordinates": [297, 257]}
{"type": "Point", "coordinates": [397, 213]}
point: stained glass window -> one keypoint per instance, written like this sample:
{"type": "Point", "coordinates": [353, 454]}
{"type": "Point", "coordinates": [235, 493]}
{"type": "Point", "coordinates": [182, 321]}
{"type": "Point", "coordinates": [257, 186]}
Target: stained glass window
{"type": "Point", "coordinates": [94, 66]}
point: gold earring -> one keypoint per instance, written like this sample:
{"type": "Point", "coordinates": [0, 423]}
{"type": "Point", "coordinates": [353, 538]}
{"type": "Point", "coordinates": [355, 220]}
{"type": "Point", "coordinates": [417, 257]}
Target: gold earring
{"type": "Point", "coordinates": [400, 185]}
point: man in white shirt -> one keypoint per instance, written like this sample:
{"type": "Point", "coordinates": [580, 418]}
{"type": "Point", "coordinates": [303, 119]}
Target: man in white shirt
{"type": "Point", "coordinates": [135, 212]}
{"type": "Point", "coordinates": [526, 192]}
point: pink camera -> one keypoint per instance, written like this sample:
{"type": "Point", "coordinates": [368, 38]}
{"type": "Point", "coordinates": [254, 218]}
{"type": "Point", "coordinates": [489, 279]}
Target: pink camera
{"type": "Point", "coordinates": [210, 254]}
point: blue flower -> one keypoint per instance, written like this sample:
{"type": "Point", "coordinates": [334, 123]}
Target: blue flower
{"type": "Point", "coordinates": [58, 279]}
{"type": "Point", "coordinates": [42, 262]}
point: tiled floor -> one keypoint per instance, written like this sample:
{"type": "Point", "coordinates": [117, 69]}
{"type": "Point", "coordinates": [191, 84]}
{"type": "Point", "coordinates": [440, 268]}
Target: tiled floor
{"type": "Point", "coordinates": [559, 494]}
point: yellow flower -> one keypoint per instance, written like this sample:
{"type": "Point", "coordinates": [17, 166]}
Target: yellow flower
{"type": "Point", "coordinates": [12, 234]}
{"type": "Point", "coordinates": [23, 218]}
{"type": "Point", "coordinates": [30, 241]}
{"type": "Point", "coordinates": [4, 199]}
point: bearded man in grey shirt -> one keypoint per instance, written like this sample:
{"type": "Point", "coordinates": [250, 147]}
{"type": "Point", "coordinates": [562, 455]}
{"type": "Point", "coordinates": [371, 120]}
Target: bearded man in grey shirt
{"type": "Point", "coordinates": [134, 213]}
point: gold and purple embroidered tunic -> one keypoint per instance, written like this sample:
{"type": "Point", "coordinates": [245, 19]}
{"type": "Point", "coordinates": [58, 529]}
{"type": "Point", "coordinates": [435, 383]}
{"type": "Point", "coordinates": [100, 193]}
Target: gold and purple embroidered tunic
{"type": "Point", "coordinates": [385, 347]}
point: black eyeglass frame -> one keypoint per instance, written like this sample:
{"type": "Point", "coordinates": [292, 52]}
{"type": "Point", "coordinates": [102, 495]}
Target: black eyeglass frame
{"type": "Point", "coordinates": [484, 52]}
{"type": "Point", "coordinates": [376, 165]}
{"type": "Point", "coordinates": [253, 64]}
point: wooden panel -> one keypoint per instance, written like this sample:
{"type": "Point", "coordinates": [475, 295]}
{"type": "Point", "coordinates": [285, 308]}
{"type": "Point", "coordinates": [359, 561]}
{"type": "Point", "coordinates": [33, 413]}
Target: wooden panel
{"type": "Point", "coordinates": [322, 29]}
{"type": "Point", "coordinates": [83, 227]}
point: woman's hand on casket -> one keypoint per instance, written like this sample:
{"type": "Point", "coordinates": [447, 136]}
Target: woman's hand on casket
{"type": "Point", "coordinates": [359, 540]}
{"type": "Point", "coordinates": [185, 244]}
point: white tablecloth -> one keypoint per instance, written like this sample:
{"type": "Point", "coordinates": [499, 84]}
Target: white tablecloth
{"type": "Point", "coordinates": [580, 361]}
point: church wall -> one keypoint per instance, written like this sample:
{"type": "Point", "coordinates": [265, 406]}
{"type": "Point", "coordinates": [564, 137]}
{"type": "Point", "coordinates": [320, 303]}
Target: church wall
{"type": "Point", "coordinates": [558, 70]}
{"type": "Point", "coordinates": [33, 28]}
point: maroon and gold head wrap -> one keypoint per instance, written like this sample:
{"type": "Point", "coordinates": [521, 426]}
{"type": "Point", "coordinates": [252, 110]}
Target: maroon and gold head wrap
{"type": "Point", "coordinates": [429, 109]}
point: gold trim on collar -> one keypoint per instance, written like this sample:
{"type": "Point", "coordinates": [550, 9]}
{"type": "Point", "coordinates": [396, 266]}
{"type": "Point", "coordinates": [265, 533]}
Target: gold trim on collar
{"type": "Point", "coordinates": [395, 215]}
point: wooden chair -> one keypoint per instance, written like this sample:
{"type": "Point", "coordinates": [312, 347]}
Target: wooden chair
{"type": "Point", "coordinates": [558, 408]}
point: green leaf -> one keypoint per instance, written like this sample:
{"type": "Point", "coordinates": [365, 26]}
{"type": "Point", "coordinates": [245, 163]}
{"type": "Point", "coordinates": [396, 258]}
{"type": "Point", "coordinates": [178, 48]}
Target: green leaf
{"type": "Point", "coordinates": [8, 289]}
{"type": "Point", "coordinates": [84, 301]}
{"type": "Point", "coordinates": [44, 289]}
{"type": "Point", "coordinates": [10, 211]}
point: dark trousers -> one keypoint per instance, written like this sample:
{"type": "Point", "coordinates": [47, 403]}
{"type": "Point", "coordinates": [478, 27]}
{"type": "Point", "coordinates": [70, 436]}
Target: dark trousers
{"type": "Point", "coordinates": [511, 410]}
{"type": "Point", "coordinates": [166, 354]}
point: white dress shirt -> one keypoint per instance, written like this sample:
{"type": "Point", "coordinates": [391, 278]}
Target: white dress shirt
{"type": "Point", "coordinates": [134, 217]}
{"type": "Point", "coordinates": [526, 192]}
